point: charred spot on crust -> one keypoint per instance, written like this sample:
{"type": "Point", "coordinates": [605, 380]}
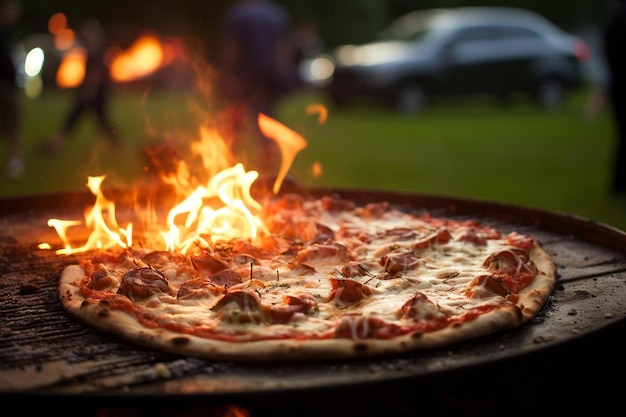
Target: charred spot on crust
{"type": "Point", "coordinates": [417, 335]}
{"type": "Point", "coordinates": [84, 304]}
{"type": "Point", "coordinates": [103, 313]}
{"type": "Point", "coordinates": [360, 348]}
{"type": "Point", "coordinates": [180, 341]}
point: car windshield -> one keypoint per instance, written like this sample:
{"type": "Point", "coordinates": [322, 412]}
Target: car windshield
{"type": "Point", "coordinates": [403, 35]}
{"type": "Point", "coordinates": [413, 27]}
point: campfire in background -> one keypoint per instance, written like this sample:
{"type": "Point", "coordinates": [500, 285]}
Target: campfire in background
{"type": "Point", "coordinates": [147, 54]}
{"type": "Point", "coordinates": [57, 59]}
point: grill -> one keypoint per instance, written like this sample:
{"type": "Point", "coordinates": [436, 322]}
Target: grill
{"type": "Point", "coordinates": [49, 359]}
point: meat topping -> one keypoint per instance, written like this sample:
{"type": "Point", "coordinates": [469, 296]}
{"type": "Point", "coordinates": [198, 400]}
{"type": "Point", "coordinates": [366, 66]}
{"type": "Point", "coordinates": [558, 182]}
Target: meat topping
{"type": "Point", "coordinates": [142, 283]}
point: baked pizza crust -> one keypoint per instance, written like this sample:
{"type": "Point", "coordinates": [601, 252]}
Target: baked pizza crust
{"type": "Point", "coordinates": [99, 315]}
{"type": "Point", "coordinates": [534, 296]}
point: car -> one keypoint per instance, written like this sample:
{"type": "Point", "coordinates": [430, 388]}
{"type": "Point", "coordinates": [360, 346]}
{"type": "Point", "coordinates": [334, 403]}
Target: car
{"type": "Point", "coordinates": [459, 51]}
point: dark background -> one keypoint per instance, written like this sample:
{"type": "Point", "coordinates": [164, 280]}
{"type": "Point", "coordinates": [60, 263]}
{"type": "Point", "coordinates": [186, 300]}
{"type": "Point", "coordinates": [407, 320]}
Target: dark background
{"type": "Point", "coordinates": [345, 21]}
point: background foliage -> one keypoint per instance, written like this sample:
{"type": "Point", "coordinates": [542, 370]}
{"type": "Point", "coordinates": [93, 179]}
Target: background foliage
{"type": "Point", "coordinates": [341, 21]}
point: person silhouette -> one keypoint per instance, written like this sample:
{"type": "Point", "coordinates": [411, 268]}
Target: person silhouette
{"type": "Point", "coordinates": [614, 27]}
{"type": "Point", "coordinates": [10, 110]}
{"type": "Point", "coordinates": [256, 67]}
{"type": "Point", "coordinates": [92, 94]}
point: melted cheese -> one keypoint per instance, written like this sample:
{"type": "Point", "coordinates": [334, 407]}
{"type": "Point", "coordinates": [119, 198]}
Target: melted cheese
{"type": "Point", "coordinates": [443, 275]}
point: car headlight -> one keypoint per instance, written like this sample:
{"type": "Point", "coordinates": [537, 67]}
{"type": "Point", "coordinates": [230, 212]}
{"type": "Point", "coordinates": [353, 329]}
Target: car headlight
{"type": "Point", "coordinates": [318, 70]}
{"type": "Point", "coordinates": [33, 63]}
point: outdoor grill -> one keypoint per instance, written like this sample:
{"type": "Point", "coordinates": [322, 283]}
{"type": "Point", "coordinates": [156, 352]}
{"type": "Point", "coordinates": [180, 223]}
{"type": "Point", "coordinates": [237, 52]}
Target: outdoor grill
{"type": "Point", "coordinates": [570, 353]}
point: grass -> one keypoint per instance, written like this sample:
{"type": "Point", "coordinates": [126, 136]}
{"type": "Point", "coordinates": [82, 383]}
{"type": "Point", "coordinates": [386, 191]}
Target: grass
{"type": "Point", "coordinates": [555, 160]}
{"type": "Point", "coordinates": [517, 154]}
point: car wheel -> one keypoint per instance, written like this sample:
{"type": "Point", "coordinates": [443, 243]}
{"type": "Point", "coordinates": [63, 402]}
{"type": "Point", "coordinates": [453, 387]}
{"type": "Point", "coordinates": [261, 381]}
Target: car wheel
{"type": "Point", "coordinates": [549, 93]}
{"type": "Point", "coordinates": [410, 99]}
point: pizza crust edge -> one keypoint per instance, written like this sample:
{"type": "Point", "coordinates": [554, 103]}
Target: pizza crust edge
{"type": "Point", "coordinates": [532, 299]}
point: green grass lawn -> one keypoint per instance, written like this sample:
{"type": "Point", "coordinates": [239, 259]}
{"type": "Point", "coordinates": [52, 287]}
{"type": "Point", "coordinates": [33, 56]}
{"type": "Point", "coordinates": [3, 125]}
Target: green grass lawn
{"type": "Point", "coordinates": [471, 148]}
{"type": "Point", "coordinates": [554, 160]}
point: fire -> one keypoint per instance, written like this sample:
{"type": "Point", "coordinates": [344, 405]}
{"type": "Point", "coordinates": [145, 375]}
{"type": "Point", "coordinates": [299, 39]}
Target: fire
{"type": "Point", "coordinates": [289, 142]}
{"type": "Point", "coordinates": [235, 218]}
{"type": "Point", "coordinates": [317, 169]}
{"type": "Point", "coordinates": [101, 217]}
{"type": "Point", "coordinates": [57, 23]}
{"type": "Point", "coordinates": [71, 70]}
{"type": "Point", "coordinates": [63, 35]}
{"type": "Point", "coordinates": [143, 57]}
{"type": "Point", "coordinates": [219, 209]}
{"type": "Point", "coordinates": [319, 109]}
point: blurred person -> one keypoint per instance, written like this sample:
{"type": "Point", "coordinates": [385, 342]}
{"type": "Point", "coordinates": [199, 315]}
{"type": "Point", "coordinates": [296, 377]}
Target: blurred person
{"type": "Point", "coordinates": [92, 95]}
{"type": "Point", "coordinates": [10, 111]}
{"type": "Point", "coordinates": [307, 43]}
{"type": "Point", "coordinates": [306, 39]}
{"type": "Point", "coordinates": [614, 26]}
{"type": "Point", "coordinates": [595, 103]}
{"type": "Point", "coordinates": [256, 68]}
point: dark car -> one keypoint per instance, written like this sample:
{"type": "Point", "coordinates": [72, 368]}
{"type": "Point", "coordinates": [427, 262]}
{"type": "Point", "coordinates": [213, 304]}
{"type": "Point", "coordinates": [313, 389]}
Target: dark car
{"type": "Point", "coordinates": [469, 50]}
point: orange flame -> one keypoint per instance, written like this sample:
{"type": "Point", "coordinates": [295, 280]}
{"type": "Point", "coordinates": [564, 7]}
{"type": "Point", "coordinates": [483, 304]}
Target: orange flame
{"type": "Point", "coordinates": [101, 217]}
{"type": "Point", "coordinates": [57, 22]}
{"type": "Point", "coordinates": [63, 36]}
{"type": "Point", "coordinates": [71, 70]}
{"type": "Point", "coordinates": [146, 55]}
{"type": "Point", "coordinates": [316, 169]}
{"type": "Point", "coordinates": [219, 209]}
{"type": "Point", "coordinates": [320, 109]}
{"type": "Point", "coordinates": [64, 39]}
{"type": "Point", "coordinates": [143, 57]}
{"type": "Point", "coordinates": [234, 219]}
{"type": "Point", "coordinates": [289, 142]}
{"type": "Point", "coordinates": [188, 223]}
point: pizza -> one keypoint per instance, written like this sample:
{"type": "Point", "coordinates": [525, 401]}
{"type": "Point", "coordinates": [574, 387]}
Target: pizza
{"type": "Point", "coordinates": [329, 279]}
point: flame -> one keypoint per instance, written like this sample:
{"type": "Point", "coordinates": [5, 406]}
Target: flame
{"type": "Point", "coordinates": [64, 39]}
{"type": "Point", "coordinates": [218, 209]}
{"type": "Point", "coordinates": [320, 109]}
{"type": "Point", "coordinates": [63, 35]}
{"type": "Point", "coordinates": [57, 22]}
{"type": "Point", "coordinates": [146, 55]}
{"type": "Point", "coordinates": [190, 222]}
{"type": "Point", "coordinates": [143, 57]}
{"type": "Point", "coordinates": [235, 219]}
{"type": "Point", "coordinates": [316, 169]}
{"type": "Point", "coordinates": [289, 142]}
{"type": "Point", "coordinates": [71, 70]}
{"type": "Point", "coordinates": [101, 217]}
